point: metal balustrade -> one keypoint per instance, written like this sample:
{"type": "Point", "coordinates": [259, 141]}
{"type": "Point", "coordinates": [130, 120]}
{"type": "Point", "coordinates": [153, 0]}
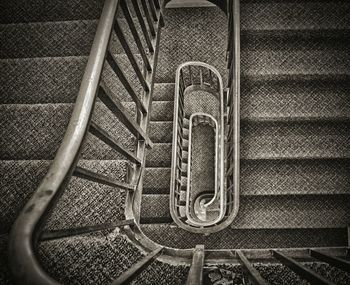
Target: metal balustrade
{"type": "Point", "coordinates": [27, 231]}
{"type": "Point", "coordinates": [190, 77]}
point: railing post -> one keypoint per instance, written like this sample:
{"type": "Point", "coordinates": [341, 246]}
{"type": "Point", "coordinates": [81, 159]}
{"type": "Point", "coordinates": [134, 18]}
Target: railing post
{"type": "Point", "coordinates": [195, 275]}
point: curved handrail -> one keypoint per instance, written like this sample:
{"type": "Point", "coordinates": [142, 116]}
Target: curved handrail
{"type": "Point", "coordinates": [219, 89]}
{"type": "Point", "coordinates": [23, 236]}
{"type": "Point", "coordinates": [222, 189]}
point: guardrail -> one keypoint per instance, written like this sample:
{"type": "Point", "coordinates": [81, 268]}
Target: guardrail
{"type": "Point", "coordinates": [194, 76]}
{"type": "Point", "coordinates": [27, 230]}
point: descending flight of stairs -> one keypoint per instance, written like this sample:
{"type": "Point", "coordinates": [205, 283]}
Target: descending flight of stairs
{"type": "Point", "coordinates": [295, 133]}
{"type": "Point", "coordinates": [295, 124]}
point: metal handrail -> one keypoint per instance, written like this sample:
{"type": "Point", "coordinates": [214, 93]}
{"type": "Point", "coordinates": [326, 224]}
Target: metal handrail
{"type": "Point", "coordinates": [26, 231]}
{"type": "Point", "coordinates": [215, 87]}
{"type": "Point", "coordinates": [218, 159]}
{"type": "Point", "coordinates": [234, 104]}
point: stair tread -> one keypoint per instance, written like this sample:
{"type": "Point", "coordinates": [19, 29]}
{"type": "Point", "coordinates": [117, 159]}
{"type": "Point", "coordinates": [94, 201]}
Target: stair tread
{"type": "Point", "coordinates": [295, 97]}
{"type": "Point", "coordinates": [24, 139]}
{"type": "Point", "coordinates": [273, 177]}
{"type": "Point", "coordinates": [106, 257]}
{"type": "Point", "coordinates": [52, 39]}
{"type": "Point", "coordinates": [20, 178]}
{"type": "Point", "coordinates": [294, 15]}
{"type": "Point", "coordinates": [20, 11]}
{"type": "Point", "coordinates": [56, 79]}
{"type": "Point", "coordinates": [283, 211]}
{"type": "Point", "coordinates": [173, 236]}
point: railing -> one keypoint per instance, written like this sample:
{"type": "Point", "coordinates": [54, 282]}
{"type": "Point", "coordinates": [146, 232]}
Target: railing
{"type": "Point", "coordinates": [194, 76]}
{"type": "Point", "coordinates": [27, 230]}
{"type": "Point", "coordinates": [233, 104]}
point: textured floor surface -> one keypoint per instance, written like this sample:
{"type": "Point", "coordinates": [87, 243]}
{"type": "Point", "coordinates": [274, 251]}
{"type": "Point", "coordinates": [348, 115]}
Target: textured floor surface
{"type": "Point", "coordinates": [295, 123]}
{"type": "Point", "coordinates": [43, 53]}
{"type": "Point", "coordinates": [295, 133]}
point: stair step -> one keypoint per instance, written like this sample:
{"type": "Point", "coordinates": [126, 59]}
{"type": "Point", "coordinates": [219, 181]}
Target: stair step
{"type": "Point", "coordinates": [161, 132]}
{"type": "Point", "coordinates": [291, 97]}
{"type": "Point", "coordinates": [36, 131]}
{"type": "Point", "coordinates": [5, 273]}
{"type": "Point", "coordinates": [180, 45]}
{"type": "Point", "coordinates": [295, 52]}
{"type": "Point", "coordinates": [159, 156]}
{"type": "Point", "coordinates": [55, 39]}
{"type": "Point", "coordinates": [172, 236]}
{"type": "Point", "coordinates": [295, 140]}
{"type": "Point", "coordinates": [162, 111]}
{"type": "Point", "coordinates": [20, 178]}
{"type": "Point", "coordinates": [86, 259]}
{"type": "Point", "coordinates": [56, 80]}
{"type": "Point", "coordinates": [273, 177]}
{"type": "Point", "coordinates": [155, 209]}
{"type": "Point", "coordinates": [295, 177]}
{"type": "Point", "coordinates": [164, 92]}
{"type": "Point", "coordinates": [291, 15]}
{"type": "Point", "coordinates": [156, 180]}
{"type": "Point", "coordinates": [22, 11]}
{"type": "Point", "coordinates": [285, 211]}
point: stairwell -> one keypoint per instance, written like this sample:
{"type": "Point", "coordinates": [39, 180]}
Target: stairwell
{"type": "Point", "coordinates": [295, 135]}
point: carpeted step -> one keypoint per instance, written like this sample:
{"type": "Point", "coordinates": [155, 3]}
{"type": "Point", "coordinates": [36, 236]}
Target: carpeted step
{"type": "Point", "coordinates": [295, 97]}
{"type": "Point", "coordinates": [172, 236]}
{"type": "Point", "coordinates": [273, 177]}
{"type": "Point", "coordinates": [279, 274]}
{"type": "Point", "coordinates": [329, 272]}
{"type": "Point", "coordinates": [261, 212]}
{"type": "Point", "coordinates": [156, 180]}
{"type": "Point", "coordinates": [291, 15]}
{"type": "Point", "coordinates": [163, 91]}
{"type": "Point", "coordinates": [161, 132]}
{"type": "Point", "coordinates": [180, 41]}
{"type": "Point", "coordinates": [159, 156]}
{"type": "Point", "coordinates": [295, 52]}
{"type": "Point", "coordinates": [22, 11]}
{"type": "Point", "coordinates": [295, 140]}
{"type": "Point", "coordinates": [54, 39]}
{"type": "Point", "coordinates": [163, 274]}
{"type": "Point", "coordinates": [89, 203]}
{"type": "Point", "coordinates": [57, 79]}
{"type": "Point", "coordinates": [279, 140]}
{"type": "Point", "coordinates": [88, 260]}
{"type": "Point", "coordinates": [20, 178]}
{"type": "Point", "coordinates": [5, 275]}
{"type": "Point", "coordinates": [36, 131]}
{"type": "Point", "coordinates": [282, 177]}
{"type": "Point", "coordinates": [162, 111]}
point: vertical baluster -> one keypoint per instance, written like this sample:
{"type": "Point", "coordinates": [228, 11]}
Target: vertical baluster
{"type": "Point", "coordinates": [143, 25]}
{"type": "Point", "coordinates": [148, 17]}
{"type": "Point", "coordinates": [156, 4]}
{"type": "Point", "coordinates": [135, 34]}
{"type": "Point", "coordinates": [201, 75]}
{"type": "Point", "coordinates": [153, 11]}
{"type": "Point", "coordinates": [182, 79]}
{"type": "Point", "coordinates": [191, 75]}
{"type": "Point", "coordinates": [210, 78]}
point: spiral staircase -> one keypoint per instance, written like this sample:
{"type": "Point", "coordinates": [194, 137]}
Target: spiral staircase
{"type": "Point", "coordinates": [89, 103]}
